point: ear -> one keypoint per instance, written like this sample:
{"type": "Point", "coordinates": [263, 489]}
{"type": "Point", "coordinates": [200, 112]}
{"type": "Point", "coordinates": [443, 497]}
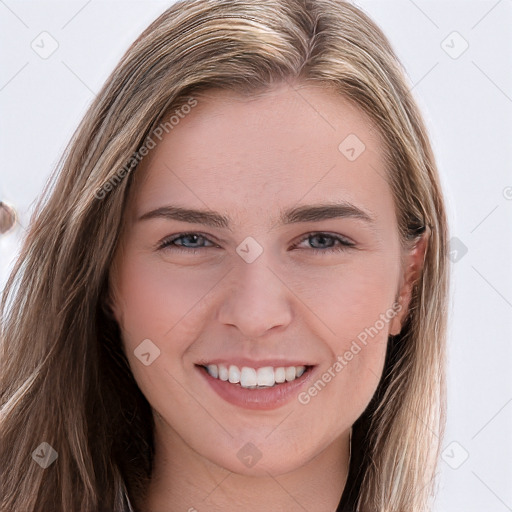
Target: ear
{"type": "Point", "coordinates": [414, 260]}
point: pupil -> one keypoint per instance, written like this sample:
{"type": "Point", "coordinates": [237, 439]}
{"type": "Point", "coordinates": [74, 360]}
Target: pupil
{"type": "Point", "coordinates": [322, 238]}
{"type": "Point", "coordinates": [193, 237]}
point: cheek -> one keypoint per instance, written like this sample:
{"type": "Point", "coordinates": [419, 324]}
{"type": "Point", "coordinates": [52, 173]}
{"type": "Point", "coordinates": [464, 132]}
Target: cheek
{"type": "Point", "coordinates": [349, 299]}
{"type": "Point", "coordinates": [357, 304]}
{"type": "Point", "coordinates": [166, 306]}
{"type": "Point", "coordinates": [162, 303]}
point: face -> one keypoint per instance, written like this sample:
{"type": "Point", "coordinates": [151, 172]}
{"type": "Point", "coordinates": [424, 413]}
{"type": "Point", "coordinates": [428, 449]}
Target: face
{"type": "Point", "coordinates": [272, 286]}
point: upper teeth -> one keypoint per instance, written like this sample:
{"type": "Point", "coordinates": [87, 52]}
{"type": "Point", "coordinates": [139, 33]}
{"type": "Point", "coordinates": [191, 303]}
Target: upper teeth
{"type": "Point", "coordinates": [251, 378]}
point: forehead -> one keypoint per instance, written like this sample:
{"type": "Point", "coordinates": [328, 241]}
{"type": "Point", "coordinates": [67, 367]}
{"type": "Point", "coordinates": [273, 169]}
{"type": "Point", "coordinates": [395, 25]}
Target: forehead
{"type": "Point", "coordinates": [248, 156]}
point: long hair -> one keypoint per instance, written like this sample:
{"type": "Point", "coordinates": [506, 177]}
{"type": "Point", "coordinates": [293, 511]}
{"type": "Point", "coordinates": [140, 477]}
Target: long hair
{"type": "Point", "coordinates": [66, 381]}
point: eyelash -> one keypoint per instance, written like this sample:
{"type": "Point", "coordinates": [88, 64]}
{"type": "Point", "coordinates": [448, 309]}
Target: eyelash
{"type": "Point", "coordinates": [344, 244]}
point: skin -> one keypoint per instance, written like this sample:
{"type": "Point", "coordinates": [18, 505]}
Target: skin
{"type": "Point", "coordinates": [249, 159]}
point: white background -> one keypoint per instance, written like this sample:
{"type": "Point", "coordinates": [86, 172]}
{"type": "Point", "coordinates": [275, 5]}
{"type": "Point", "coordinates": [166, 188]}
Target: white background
{"type": "Point", "coordinates": [467, 103]}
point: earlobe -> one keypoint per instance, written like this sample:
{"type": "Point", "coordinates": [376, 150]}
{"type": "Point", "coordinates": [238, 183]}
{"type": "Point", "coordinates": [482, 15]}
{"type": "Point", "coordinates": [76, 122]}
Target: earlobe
{"type": "Point", "coordinates": [413, 268]}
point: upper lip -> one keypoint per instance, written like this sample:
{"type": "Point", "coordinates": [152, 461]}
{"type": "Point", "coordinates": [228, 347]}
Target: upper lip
{"type": "Point", "coordinates": [242, 361]}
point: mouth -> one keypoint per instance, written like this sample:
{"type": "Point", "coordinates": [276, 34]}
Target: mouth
{"type": "Point", "coordinates": [265, 387]}
{"type": "Point", "coordinates": [255, 378]}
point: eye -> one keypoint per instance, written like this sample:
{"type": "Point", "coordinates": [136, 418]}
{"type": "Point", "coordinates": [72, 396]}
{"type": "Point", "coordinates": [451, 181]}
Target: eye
{"type": "Point", "coordinates": [191, 243]}
{"type": "Point", "coordinates": [335, 243]}
{"type": "Point", "coordinates": [185, 238]}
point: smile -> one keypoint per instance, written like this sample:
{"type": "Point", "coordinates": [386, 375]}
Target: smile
{"type": "Point", "coordinates": [263, 388]}
{"type": "Point", "coordinates": [252, 378]}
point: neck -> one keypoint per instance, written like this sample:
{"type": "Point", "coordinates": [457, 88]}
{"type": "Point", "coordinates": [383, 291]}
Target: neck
{"type": "Point", "coordinates": [183, 480]}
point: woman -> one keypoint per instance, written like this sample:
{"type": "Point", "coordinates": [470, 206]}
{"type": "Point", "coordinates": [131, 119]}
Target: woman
{"type": "Point", "coordinates": [258, 370]}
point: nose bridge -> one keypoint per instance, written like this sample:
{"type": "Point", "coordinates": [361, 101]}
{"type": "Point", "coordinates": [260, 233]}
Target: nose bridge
{"type": "Point", "coordinates": [256, 300]}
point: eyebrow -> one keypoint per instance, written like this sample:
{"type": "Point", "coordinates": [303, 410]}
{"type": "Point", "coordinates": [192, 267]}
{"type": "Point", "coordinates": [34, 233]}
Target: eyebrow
{"type": "Point", "coordinates": [308, 213]}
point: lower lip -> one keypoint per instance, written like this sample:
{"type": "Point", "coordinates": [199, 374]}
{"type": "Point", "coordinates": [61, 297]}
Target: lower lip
{"type": "Point", "coordinates": [260, 399]}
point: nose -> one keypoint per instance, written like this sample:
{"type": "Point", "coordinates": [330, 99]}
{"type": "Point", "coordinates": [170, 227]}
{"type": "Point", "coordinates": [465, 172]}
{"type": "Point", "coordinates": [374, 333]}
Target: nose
{"type": "Point", "coordinates": [256, 299]}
